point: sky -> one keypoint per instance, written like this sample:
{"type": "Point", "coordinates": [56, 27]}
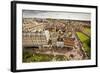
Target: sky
{"type": "Point", "coordinates": [56, 15]}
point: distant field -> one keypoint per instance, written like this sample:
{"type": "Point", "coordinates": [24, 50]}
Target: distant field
{"type": "Point", "coordinates": [85, 41]}
{"type": "Point", "coordinates": [87, 31]}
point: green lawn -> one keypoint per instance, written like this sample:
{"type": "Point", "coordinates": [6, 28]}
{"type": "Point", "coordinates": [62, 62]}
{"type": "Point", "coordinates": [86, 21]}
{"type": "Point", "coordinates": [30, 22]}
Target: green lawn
{"type": "Point", "coordinates": [85, 41]}
{"type": "Point", "coordinates": [82, 37]}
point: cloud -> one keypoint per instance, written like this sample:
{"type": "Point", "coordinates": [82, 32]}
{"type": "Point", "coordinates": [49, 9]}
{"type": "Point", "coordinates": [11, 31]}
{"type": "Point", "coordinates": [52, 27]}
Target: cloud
{"type": "Point", "coordinates": [56, 15]}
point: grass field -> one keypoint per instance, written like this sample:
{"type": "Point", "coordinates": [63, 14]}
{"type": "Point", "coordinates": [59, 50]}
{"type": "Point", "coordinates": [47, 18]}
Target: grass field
{"type": "Point", "coordinates": [85, 41]}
